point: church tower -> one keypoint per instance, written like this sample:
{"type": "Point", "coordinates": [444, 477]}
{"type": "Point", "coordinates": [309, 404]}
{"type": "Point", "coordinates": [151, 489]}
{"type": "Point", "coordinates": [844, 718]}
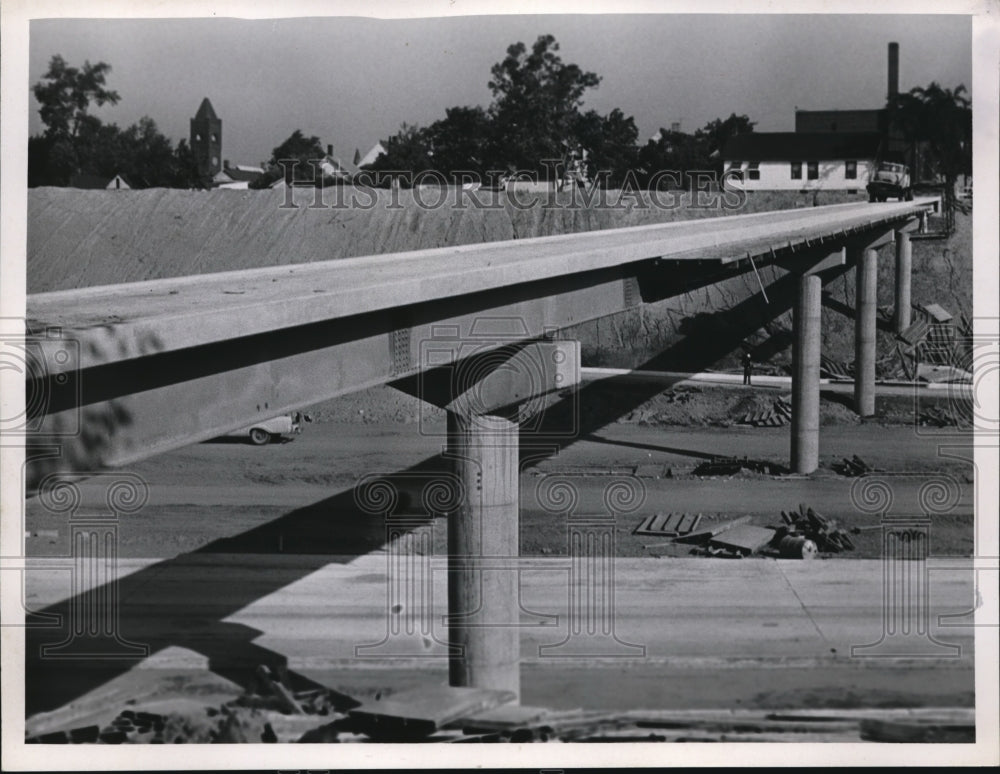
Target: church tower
{"type": "Point", "coordinates": [206, 142]}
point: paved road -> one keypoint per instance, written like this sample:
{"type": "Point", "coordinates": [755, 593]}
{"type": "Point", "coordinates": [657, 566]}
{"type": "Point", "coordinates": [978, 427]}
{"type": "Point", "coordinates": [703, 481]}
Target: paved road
{"type": "Point", "coordinates": [686, 632]}
{"type": "Point", "coordinates": [238, 559]}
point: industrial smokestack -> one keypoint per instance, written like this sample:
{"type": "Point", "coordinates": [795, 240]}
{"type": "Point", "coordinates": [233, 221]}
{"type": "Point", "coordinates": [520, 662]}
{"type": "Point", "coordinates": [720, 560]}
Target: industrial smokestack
{"type": "Point", "coordinates": [893, 70]}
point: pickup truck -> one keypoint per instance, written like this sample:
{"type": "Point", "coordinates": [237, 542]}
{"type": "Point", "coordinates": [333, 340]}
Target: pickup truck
{"type": "Point", "coordinates": [261, 433]}
{"type": "Point", "coordinates": [890, 180]}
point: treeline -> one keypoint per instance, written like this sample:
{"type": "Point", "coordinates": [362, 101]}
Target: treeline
{"type": "Point", "coordinates": [76, 143]}
{"type": "Point", "coordinates": [537, 117]}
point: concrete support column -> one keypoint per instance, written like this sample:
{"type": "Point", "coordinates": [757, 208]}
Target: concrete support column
{"type": "Point", "coordinates": [864, 332]}
{"type": "Point", "coordinates": [805, 374]}
{"type": "Point", "coordinates": [904, 270]}
{"type": "Point", "coordinates": [483, 607]}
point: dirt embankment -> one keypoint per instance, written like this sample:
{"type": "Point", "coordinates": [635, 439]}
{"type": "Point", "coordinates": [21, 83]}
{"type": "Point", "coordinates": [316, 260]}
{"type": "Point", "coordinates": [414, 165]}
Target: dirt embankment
{"type": "Point", "coordinates": [85, 238]}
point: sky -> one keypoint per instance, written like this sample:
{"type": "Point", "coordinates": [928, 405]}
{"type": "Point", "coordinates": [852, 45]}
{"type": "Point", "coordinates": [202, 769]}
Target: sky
{"type": "Point", "coordinates": [352, 81]}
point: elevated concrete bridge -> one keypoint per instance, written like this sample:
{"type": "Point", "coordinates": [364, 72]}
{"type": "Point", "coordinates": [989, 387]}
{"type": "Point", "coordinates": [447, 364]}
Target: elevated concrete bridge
{"type": "Point", "coordinates": [127, 371]}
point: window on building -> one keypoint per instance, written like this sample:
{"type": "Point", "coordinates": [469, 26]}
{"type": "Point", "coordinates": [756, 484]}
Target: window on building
{"type": "Point", "coordinates": [197, 138]}
{"type": "Point", "coordinates": [215, 138]}
{"type": "Point", "coordinates": [851, 170]}
{"type": "Point", "coordinates": [796, 170]}
{"type": "Point", "coordinates": [812, 170]}
{"type": "Point", "coordinates": [753, 170]}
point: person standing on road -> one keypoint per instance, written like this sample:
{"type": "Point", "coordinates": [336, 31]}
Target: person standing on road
{"type": "Point", "coordinates": [747, 367]}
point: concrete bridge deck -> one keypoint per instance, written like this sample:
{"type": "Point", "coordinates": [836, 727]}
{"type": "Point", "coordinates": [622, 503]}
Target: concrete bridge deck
{"type": "Point", "coordinates": [206, 308]}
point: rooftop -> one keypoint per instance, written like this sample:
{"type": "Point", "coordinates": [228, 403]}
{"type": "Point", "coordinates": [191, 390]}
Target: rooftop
{"type": "Point", "coordinates": [798, 146]}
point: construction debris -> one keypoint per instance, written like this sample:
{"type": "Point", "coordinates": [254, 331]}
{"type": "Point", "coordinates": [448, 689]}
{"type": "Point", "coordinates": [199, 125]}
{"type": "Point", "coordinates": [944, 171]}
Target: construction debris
{"type": "Point", "coordinates": [808, 524]}
{"type": "Point", "coordinates": [743, 540]}
{"type": "Point", "coordinates": [796, 547]}
{"type": "Point", "coordinates": [668, 524]}
{"type": "Point", "coordinates": [835, 369]}
{"type": "Point", "coordinates": [939, 417]}
{"type": "Point", "coordinates": [706, 534]}
{"type": "Point", "coordinates": [286, 701]}
{"type": "Point", "coordinates": [776, 415]}
{"type": "Point", "coordinates": [536, 724]}
{"type": "Point", "coordinates": [854, 467]}
{"type": "Point", "coordinates": [916, 333]}
{"type": "Point", "coordinates": [802, 535]}
{"type": "Point", "coordinates": [679, 394]}
{"type": "Point", "coordinates": [731, 466]}
{"type": "Point", "coordinates": [422, 711]}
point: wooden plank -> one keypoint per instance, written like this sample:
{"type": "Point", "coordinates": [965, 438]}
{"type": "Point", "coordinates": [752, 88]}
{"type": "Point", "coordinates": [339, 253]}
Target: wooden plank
{"type": "Point", "coordinates": [689, 523]}
{"type": "Point", "coordinates": [504, 717]}
{"type": "Point", "coordinates": [713, 530]}
{"type": "Point", "coordinates": [745, 538]}
{"type": "Point", "coordinates": [421, 711]}
{"type": "Point", "coordinates": [653, 525]}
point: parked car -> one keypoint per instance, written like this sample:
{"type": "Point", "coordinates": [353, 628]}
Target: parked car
{"type": "Point", "coordinates": [890, 180]}
{"type": "Point", "coordinates": [263, 432]}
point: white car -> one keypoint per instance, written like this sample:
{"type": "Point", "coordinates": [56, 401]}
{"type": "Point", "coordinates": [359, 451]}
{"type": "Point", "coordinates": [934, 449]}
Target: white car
{"type": "Point", "coordinates": [261, 433]}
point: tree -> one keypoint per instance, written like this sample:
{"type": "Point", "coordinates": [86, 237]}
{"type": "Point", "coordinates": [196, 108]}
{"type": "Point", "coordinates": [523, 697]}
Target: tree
{"type": "Point", "coordinates": [461, 141]}
{"type": "Point", "coordinates": [77, 142]}
{"type": "Point", "coordinates": [674, 152]}
{"type": "Point", "coordinates": [297, 148]}
{"type": "Point", "coordinates": [715, 134]}
{"type": "Point", "coordinates": [610, 143]}
{"type": "Point", "coordinates": [185, 167]}
{"type": "Point", "coordinates": [536, 102]}
{"type": "Point", "coordinates": [408, 150]}
{"type": "Point", "coordinates": [939, 121]}
{"type": "Point", "coordinates": [65, 94]}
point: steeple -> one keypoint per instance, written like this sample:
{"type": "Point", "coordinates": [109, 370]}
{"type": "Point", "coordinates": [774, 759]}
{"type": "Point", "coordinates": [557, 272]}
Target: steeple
{"type": "Point", "coordinates": [206, 111]}
{"type": "Point", "coordinates": [206, 142]}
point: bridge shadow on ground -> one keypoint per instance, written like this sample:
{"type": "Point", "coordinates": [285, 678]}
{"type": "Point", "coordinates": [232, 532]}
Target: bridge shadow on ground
{"type": "Point", "coordinates": [166, 605]}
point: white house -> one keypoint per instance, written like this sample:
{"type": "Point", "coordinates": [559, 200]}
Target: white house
{"type": "Point", "coordinates": [370, 157]}
{"type": "Point", "coordinates": [796, 161]}
{"type": "Point", "coordinates": [95, 182]}
{"type": "Point", "coordinates": [236, 176]}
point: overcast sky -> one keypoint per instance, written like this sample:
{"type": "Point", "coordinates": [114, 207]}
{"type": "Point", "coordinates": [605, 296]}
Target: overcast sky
{"type": "Point", "coordinates": [353, 81]}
